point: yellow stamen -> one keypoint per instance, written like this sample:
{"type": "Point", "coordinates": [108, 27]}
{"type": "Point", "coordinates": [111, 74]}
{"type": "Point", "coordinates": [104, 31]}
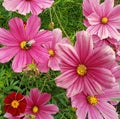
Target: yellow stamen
{"type": "Point", "coordinates": [104, 20]}
{"type": "Point", "coordinates": [51, 52]}
{"type": "Point", "coordinates": [35, 109]}
{"type": "Point", "coordinates": [92, 100]}
{"type": "Point", "coordinates": [81, 70]}
{"type": "Point", "coordinates": [23, 44]}
{"type": "Point", "coordinates": [15, 104]}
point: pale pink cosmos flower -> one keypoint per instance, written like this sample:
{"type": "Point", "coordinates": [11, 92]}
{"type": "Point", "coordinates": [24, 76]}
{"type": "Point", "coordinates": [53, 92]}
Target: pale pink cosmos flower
{"type": "Point", "coordinates": [23, 42]}
{"type": "Point", "coordinates": [36, 105]}
{"type": "Point", "coordinates": [27, 6]}
{"type": "Point", "coordinates": [104, 21]}
{"type": "Point", "coordinates": [88, 8]}
{"type": "Point", "coordinates": [96, 106]}
{"type": "Point", "coordinates": [85, 68]}
{"type": "Point", "coordinates": [53, 61]}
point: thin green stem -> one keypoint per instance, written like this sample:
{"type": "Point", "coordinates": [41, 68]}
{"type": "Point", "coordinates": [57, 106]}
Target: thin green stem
{"type": "Point", "coordinates": [60, 23]}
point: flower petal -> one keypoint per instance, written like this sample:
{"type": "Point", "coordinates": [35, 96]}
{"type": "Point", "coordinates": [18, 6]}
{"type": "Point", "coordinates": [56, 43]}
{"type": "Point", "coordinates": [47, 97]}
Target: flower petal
{"type": "Point", "coordinates": [93, 113]}
{"type": "Point", "coordinates": [24, 7]}
{"type": "Point", "coordinates": [7, 39]}
{"type": "Point", "coordinates": [110, 93]}
{"type": "Point", "coordinates": [49, 109]}
{"type": "Point", "coordinates": [39, 54]}
{"type": "Point", "coordinates": [43, 115]}
{"type": "Point", "coordinates": [57, 35]}
{"type": "Point", "coordinates": [88, 6]}
{"type": "Point", "coordinates": [107, 6]}
{"type": "Point", "coordinates": [113, 33]}
{"type": "Point", "coordinates": [21, 60]}
{"type": "Point", "coordinates": [7, 53]}
{"type": "Point", "coordinates": [11, 5]}
{"type": "Point", "coordinates": [32, 26]}
{"type": "Point", "coordinates": [54, 63]}
{"type": "Point", "coordinates": [17, 29]}
{"type": "Point", "coordinates": [102, 57]}
{"type": "Point", "coordinates": [43, 37]}
{"type": "Point", "coordinates": [67, 54]}
{"type": "Point", "coordinates": [94, 19]}
{"type": "Point", "coordinates": [107, 110]}
{"type": "Point", "coordinates": [93, 29]}
{"type": "Point", "coordinates": [43, 98]}
{"type": "Point", "coordinates": [66, 79]}
{"type": "Point", "coordinates": [103, 32]}
{"type": "Point", "coordinates": [102, 75]}
{"type": "Point", "coordinates": [91, 86]}
{"type": "Point", "coordinates": [75, 88]}
{"type": "Point", "coordinates": [83, 45]}
{"type": "Point", "coordinates": [114, 15]}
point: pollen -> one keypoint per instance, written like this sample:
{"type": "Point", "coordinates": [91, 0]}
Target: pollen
{"type": "Point", "coordinates": [51, 52]}
{"type": "Point", "coordinates": [23, 44]}
{"type": "Point", "coordinates": [15, 104]}
{"type": "Point", "coordinates": [92, 100]}
{"type": "Point", "coordinates": [81, 70]}
{"type": "Point", "coordinates": [104, 20]}
{"type": "Point", "coordinates": [35, 109]}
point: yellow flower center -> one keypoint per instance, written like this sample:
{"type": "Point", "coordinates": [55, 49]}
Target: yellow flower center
{"type": "Point", "coordinates": [27, 44]}
{"type": "Point", "coordinates": [81, 70]}
{"type": "Point", "coordinates": [51, 52]}
{"type": "Point", "coordinates": [23, 44]}
{"type": "Point", "coordinates": [15, 104]}
{"type": "Point", "coordinates": [104, 20]}
{"type": "Point", "coordinates": [35, 109]}
{"type": "Point", "coordinates": [92, 100]}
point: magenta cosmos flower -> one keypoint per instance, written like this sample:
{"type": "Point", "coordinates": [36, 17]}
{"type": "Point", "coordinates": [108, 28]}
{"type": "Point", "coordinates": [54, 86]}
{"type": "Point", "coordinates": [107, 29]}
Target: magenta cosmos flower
{"type": "Point", "coordinates": [96, 106]}
{"type": "Point", "coordinates": [53, 61]}
{"type": "Point", "coordinates": [36, 105]}
{"type": "Point", "coordinates": [22, 41]}
{"type": "Point", "coordinates": [104, 21]}
{"type": "Point", "coordinates": [85, 68]}
{"type": "Point", "coordinates": [27, 6]}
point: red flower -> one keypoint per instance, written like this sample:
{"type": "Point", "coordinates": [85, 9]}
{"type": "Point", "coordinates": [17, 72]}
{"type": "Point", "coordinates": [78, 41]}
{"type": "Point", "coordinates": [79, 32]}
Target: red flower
{"type": "Point", "coordinates": [15, 104]}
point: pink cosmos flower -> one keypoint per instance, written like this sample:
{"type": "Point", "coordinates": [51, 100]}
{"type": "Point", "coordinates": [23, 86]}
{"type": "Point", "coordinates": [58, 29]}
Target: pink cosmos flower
{"type": "Point", "coordinates": [36, 105]}
{"type": "Point", "coordinates": [23, 43]}
{"type": "Point", "coordinates": [27, 6]}
{"type": "Point", "coordinates": [85, 68]}
{"type": "Point", "coordinates": [88, 8]}
{"type": "Point", "coordinates": [96, 106]}
{"type": "Point", "coordinates": [9, 116]}
{"type": "Point", "coordinates": [113, 43]}
{"type": "Point", "coordinates": [53, 61]}
{"type": "Point", "coordinates": [104, 21]}
{"type": "Point", "coordinates": [98, 42]}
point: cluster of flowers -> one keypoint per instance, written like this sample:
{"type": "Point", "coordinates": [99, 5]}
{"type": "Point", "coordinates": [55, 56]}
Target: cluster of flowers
{"type": "Point", "coordinates": [89, 69]}
{"type": "Point", "coordinates": [18, 106]}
